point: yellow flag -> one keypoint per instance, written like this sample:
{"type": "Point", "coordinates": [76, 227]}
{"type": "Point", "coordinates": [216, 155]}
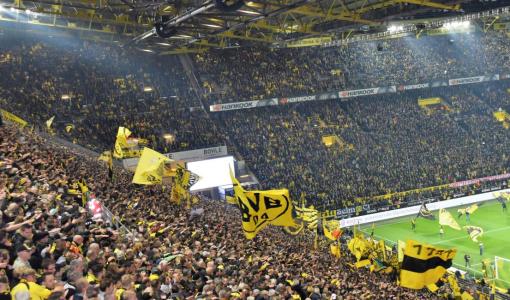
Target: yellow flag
{"type": "Point", "coordinates": [105, 156]}
{"type": "Point", "coordinates": [121, 142]}
{"type": "Point", "coordinates": [432, 287]}
{"type": "Point", "coordinates": [307, 214]}
{"type": "Point", "coordinates": [382, 249]}
{"type": "Point", "coordinates": [295, 230]}
{"type": "Point", "coordinates": [231, 200]}
{"type": "Point", "coordinates": [49, 122]}
{"type": "Point", "coordinates": [470, 209]}
{"type": "Point", "coordinates": [362, 263]}
{"type": "Point", "coordinates": [474, 232]}
{"type": "Point", "coordinates": [150, 167]}
{"type": "Point", "coordinates": [335, 250]}
{"type": "Point", "coordinates": [358, 246]}
{"type": "Point", "coordinates": [400, 247]}
{"type": "Point", "coordinates": [182, 182]}
{"type": "Point", "coordinates": [69, 127]}
{"type": "Point", "coordinates": [424, 264]}
{"type": "Point", "coordinates": [445, 218]}
{"type": "Point", "coordinates": [13, 118]}
{"type": "Point", "coordinates": [331, 229]}
{"type": "Point", "coordinates": [261, 208]}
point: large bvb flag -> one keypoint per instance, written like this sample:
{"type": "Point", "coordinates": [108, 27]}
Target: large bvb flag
{"type": "Point", "coordinates": [261, 208]}
{"type": "Point", "coordinates": [425, 213]}
{"type": "Point", "coordinates": [424, 264]}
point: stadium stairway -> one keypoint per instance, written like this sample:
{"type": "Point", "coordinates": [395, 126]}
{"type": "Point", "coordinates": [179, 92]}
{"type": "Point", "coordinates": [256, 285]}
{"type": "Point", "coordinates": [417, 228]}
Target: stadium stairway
{"type": "Point", "coordinates": [189, 68]}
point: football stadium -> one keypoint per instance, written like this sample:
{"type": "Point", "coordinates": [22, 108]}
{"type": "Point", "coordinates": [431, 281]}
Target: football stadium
{"type": "Point", "coordinates": [254, 149]}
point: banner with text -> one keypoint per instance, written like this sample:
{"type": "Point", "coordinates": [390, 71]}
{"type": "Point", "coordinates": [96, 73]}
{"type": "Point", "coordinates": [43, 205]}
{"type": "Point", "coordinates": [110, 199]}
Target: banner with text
{"type": "Point", "coordinates": [187, 156]}
{"type": "Point", "coordinates": [355, 93]}
{"type": "Point", "coordinates": [479, 180]}
{"type": "Point", "coordinates": [243, 105]}
{"type": "Point", "coordinates": [475, 79]}
{"type": "Point", "coordinates": [366, 92]}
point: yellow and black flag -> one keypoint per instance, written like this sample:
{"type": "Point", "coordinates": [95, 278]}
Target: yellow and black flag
{"type": "Point", "coordinates": [261, 208]}
{"type": "Point", "coordinates": [150, 168]}
{"type": "Point", "coordinates": [69, 128]}
{"type": "Point", "coordinates": [425, 213]}
{"type": "Point", "coordinates": [121, 142]}
{"type": "Point", "coordinates": [296, 229]}
{"type": "Point", "coordinates": [474, 232]}
{"type": "Point", "coordinates": [424, 264]}
{"type": "Point", "coordinates": [182, 182]}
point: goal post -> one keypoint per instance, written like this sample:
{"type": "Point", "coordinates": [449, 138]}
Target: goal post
{"type": "Point", "coordinates": [502, 268]}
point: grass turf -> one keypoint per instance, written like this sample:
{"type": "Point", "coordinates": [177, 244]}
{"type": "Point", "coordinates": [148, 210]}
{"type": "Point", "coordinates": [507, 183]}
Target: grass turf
{"type": "Point", "coordinates": [489, 216]}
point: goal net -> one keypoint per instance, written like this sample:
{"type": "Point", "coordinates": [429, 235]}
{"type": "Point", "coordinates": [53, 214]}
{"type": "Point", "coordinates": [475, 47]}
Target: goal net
{"type": "Point", "coordinates": [502, 268]}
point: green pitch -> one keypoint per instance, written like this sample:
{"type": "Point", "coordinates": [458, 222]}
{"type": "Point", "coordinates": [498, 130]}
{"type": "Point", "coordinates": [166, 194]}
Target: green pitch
{"type": "Point", "coordinates": [489, 216]}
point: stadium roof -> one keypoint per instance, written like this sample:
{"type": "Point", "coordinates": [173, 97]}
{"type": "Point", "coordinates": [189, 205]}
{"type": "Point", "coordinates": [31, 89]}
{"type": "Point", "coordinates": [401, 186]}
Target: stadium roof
{"type": "Point", "coordinates": [196, 25]}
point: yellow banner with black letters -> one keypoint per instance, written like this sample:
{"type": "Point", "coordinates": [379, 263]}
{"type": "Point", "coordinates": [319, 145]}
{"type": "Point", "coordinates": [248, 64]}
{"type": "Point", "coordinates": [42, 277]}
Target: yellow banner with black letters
{"type": "Point", "coordinates": [424, 264]}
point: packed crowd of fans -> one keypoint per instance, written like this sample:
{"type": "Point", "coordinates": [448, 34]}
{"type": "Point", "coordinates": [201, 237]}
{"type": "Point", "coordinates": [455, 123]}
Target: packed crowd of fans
{"type": "Point", "coordinates": [387, 143]}
{"type": "Point", "coordinates": [107, 86]}
{"type": "Point", "coordinates": [243, 74]}
{"type": "Point", "coordinates": [51, 247]}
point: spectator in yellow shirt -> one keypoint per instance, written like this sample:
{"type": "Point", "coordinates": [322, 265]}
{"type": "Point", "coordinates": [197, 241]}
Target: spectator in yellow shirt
{"type": "Point", "coordinates": [27, 288]}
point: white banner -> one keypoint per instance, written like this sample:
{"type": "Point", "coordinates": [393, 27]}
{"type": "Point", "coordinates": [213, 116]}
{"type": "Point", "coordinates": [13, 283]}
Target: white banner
{"type": "Point", "coordinates": [413, 86]}
{"type": "Point", "coordinates": [243, 105]}
{"type": "Point", "coordinates": [297, 99]}
{"type": "Point", "coordinates": [413, 210]}
{"type": "Point", "coordinates": [191, 155]}
{"type": "Point", "coordinates": [357, 93]}
{"type": "Point", "coordinates": [198, 154]}
{"type": "Point", "coordinates": [475, 79]}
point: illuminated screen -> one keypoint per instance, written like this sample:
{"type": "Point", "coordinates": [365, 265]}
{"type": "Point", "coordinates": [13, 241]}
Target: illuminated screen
{"type": "Point", "coordinates": [212, 172]}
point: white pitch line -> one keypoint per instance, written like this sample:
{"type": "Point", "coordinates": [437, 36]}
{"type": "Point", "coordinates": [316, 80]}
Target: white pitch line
{"type": "Point", "coordinates": [463, 237]}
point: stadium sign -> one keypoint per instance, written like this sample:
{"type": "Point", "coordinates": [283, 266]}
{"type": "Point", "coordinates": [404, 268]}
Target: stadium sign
{"type": "Point", "coordinates": [232, 106]}
{"type": "Point", "coordinates": [327, 96]}
{"type": "Point", "coordinates": [191, 155]}
{"type": "Point", "coordinates": [353, 93]}
{"type": "Point", "coordinates": [352, 211]}
{"type": "Point", "coordinates": [297, 99]}
{"type": "Point", "coordinates": [243, 105]}
{"type": "Point", "coordinates": [367, 92]}
{"type": "Point", "coordinates": [475, 79]}
{"type": "Point", "coordinates": [439, 83]}
{"type": "Point", "coordinates": [479, 180]}
{"type": "Point", "coordinates": [198, 154]}
{"type": "Point", "coordinates": [402, 88]}
{"type": "Point", "coordinates": [357, 93]}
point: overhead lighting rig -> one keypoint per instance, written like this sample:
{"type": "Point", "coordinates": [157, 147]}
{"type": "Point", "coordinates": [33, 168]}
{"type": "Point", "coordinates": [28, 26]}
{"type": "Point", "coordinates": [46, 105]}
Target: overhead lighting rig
{"type": "Point", "coordinates": [410, 27]}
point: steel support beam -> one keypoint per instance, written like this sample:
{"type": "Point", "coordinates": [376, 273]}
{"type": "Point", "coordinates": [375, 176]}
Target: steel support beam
{"type": "Point", "coordinates": [384, 4]}
{"type": "Point", "coordinates": [307, 11]}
